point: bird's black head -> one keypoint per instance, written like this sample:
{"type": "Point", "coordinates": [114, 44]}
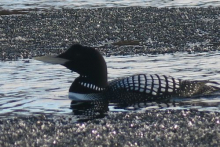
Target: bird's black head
{"type": "Point", "coordinates": [86, 61]}
{"type": "Point", "coordinates": [83, 60]}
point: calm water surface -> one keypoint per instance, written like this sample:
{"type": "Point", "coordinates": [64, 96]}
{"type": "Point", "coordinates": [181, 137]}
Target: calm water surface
{"type": "Point", "coordinates": [32, 87]}
{"type": "Point", "coordinates": [47, 4]}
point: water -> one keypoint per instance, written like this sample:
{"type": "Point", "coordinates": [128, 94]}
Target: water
{"type": "Point", "coordinates": [30, 87]}
{"type": "Point", "coordinates": [47, 4]}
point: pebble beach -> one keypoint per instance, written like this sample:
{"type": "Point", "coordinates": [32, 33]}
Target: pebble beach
{"type": "Point", "coordinates": [153, 128]}
{"type": "Point", "coordinates": [113, 31]}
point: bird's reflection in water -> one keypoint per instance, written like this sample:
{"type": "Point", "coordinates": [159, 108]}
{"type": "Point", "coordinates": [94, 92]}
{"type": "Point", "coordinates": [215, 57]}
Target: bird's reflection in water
{"type": "Point", "coordinates": [89, 110]}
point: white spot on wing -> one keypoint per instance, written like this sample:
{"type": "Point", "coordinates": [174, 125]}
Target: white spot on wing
{"type": "Point", "coordinates": [147, 90]}
{"type": "Point", "coordinates": [136, 78]}
{"type": "Point", "coordinates": [169, 79]}
{"type": "Point", "coordinates": [142, 86]}
{"type": "Point", "coordinates": [162, 78]}
{"type": "Point", "coordinates": [154, 93]}
{"type": "Point", "coordinates": [149, 80]}
{"type": "Point", "coordinates": [130, 80]}
{"type": "Point", "coordinates": [170, 84]}
{"type": "Point", "coordinates": [170, 89]}
{"type": "Point", "coordinates": [142, 82]}
{"type": "Point", "coordinates": [156, 80]}
{"type": "Point", "coordinates": [141, 90]}
{"type": "Point", "coordinates": [148, 86]}
{"type": "Point", "coordinates": [156, 87]}
{"type": "Point", "coordinates": [176, 81]}
{"type": "Point", "coordinates": [142, 78]}
{"type": "Point", "coordinates": [163, 89]}
{"type": "Point", "coordinates": [163, 85]}
{"type": "Point", "coordinates": [177, 86]}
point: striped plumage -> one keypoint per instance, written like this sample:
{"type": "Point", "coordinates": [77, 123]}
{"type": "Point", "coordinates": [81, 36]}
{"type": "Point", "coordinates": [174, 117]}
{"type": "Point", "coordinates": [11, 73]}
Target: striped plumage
{"type": "Point", "coordinates": [144, 88]}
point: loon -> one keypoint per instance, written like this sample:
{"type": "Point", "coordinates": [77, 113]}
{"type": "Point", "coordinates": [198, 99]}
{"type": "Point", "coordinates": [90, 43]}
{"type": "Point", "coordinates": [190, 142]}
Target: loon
{"type": "Point", "coordinates": [92, 83]}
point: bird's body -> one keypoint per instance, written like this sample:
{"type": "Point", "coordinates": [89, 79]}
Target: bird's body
{"type": "Point", "coordinates": [92, 84]}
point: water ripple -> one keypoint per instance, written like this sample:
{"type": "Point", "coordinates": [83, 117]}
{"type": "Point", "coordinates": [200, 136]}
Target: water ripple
{"type": "Point", "coordinates": [36, 87]}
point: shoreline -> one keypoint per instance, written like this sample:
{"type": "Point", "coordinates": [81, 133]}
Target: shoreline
{"type": "Point", "coordinates": [152, 128]}
{"type": "Point", "coordinates": [113, 31]}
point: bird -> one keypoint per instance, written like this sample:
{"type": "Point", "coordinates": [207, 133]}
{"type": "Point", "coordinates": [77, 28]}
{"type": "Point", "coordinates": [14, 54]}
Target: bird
{"type": "Point", "coordinates": [139, 89]}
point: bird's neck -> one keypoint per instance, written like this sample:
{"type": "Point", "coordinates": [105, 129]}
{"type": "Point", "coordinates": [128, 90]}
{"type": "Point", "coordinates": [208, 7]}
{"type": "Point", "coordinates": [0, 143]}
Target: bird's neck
{"type": "Point", "coordinates": [93, 83]}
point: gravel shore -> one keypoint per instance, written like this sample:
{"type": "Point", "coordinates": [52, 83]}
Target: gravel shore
{"type": "Point", "coordinates": [114, 31]}
{"type": "Point", "coordinates": [155, 128]}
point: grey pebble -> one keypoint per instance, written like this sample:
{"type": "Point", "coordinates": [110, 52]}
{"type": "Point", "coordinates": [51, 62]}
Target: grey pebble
{"type": "Point", "coordinates": [152, 128]}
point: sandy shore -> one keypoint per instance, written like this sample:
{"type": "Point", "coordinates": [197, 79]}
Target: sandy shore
{"type": "Point", "coordinates": [114, 31]}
